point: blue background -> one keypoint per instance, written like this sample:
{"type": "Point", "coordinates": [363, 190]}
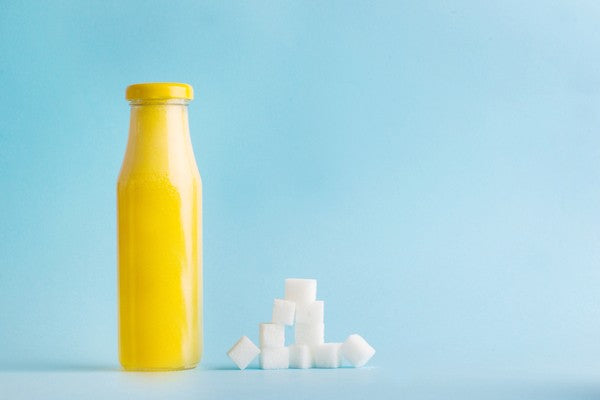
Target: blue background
{"type": "Point", "coordinates": [433, 164]}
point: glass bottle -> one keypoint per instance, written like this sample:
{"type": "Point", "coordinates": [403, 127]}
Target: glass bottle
{"type": "Point", "coordinates": [159, 218]}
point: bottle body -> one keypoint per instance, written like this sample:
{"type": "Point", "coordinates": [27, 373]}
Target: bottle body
{"type": "Point", "coordinates": [159, 217]}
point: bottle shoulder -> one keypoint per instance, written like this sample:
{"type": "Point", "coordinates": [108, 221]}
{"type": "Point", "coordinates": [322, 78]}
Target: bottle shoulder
{"type": "Point", "coordinates": [158, 179]}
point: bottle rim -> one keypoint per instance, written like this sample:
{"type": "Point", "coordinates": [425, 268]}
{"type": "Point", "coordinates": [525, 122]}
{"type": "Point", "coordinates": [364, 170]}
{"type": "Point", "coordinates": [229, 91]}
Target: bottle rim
{"type": "Point", "coordinates": [158, 102]}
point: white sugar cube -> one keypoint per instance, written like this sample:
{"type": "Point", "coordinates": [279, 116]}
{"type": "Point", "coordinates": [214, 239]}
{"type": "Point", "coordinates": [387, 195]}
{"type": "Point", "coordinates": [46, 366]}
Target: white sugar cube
{"type": "Point", "coordinates": [357, 351]}
{"type": "Point", "coordinates": [271, 335]}
{"type": "Point", "coordinates": [300, 356]}
{"type": "Point", "coordinates": [274, 358]}
{"type": "Point", "coordinates": [301, 290]}
{"type": "Point", "coordinates": [243, 352]}
{"type": "Point", "coordinates": [310, 313]}
{"type": "Point", "coordinates": [327, 355]}
{"type": "Point", "coordinates": [283, 312]}
{"type": "Point", "coordinates": [309, 334]}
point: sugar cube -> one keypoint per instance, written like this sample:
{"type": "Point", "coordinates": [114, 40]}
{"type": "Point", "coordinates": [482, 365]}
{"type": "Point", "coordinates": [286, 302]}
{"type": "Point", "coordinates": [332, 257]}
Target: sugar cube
{"type": "Point", "coordinates": [283, 312]}
{"type": "Point", "coordinates": [327, 355]}
{"type": "Point", "coordinates": [300, 356]}
{"type": "Point", "coordinates": [243, 352]}
{"type": "Point", "coordinates": [301, 290]}
{"type": "Point", "coordinates": [309, 334]}
{"type": "Point", "coordinates": [271, 335]}
{"type": "Point", "coordinates": [274, 358]}
{"type": "Point", "coordinates": [310, 313]}
{"type": "Point", "coordinates": [357, 351]}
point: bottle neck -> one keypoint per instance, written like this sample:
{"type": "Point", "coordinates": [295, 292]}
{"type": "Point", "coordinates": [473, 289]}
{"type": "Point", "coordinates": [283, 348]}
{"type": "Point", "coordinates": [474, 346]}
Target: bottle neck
{"type": "Point", "coordinates": [158, 119]}
{"type": "Point", "coordinates": [159, 139]}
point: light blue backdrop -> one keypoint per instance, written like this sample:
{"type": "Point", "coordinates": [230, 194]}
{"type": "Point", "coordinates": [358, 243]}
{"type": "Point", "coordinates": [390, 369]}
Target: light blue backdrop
{"type": "Point", "coordinates": [435, 165]}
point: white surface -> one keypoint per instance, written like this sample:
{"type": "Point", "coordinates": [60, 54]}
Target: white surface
{"type": "Point", "coordinates": [90, 382]}
{"type": "Point", "coordinates": [243, 352]}
{"type": "Point", "coordinates": [60, 382]}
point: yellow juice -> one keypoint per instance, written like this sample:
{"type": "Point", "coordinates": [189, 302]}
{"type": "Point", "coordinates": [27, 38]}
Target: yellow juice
{"type": "Point", "coordinates": [159, 213]}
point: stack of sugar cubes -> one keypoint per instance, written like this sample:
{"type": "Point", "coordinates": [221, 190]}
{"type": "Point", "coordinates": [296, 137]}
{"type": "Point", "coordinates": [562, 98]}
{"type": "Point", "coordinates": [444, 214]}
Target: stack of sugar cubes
{"type": "Point", "coordinates": [301, 309]}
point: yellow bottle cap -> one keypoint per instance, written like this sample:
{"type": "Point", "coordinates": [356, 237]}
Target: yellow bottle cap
{"type": "Point", "coordinates": [159, 90]}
